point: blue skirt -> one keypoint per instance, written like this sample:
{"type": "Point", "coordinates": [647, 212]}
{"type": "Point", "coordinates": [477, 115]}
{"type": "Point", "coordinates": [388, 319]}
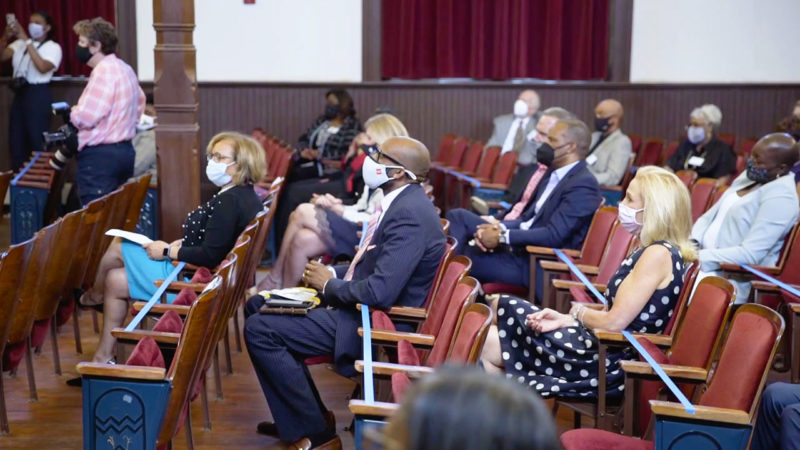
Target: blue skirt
{"type": "Point", "coordinates": [143, 271]}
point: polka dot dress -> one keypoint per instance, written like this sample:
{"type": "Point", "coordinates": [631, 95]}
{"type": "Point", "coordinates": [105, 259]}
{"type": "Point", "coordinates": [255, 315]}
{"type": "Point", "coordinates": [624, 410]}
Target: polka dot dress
{"type": "Point", "coordinates": [194, 227]}
{"type": "Point", "coordinates": [563, 362]}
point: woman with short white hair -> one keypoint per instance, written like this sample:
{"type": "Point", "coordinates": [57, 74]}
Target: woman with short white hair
{"type": "Point", "coordinates": [702, 151]}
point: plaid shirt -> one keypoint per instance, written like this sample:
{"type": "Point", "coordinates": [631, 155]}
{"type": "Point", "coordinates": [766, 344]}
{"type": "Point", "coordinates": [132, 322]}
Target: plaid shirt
{"type": "Point", "coordinates": [110, 105]}
{"type": "Point", "coordinates": [336, 145]}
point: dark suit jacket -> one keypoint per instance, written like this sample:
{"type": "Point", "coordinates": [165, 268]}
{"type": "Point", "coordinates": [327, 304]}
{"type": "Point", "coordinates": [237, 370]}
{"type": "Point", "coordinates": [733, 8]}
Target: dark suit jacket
{"type": "Point", "coordinates": [398, 271]}
{"type": "Point", "coordinates": [565, 215]}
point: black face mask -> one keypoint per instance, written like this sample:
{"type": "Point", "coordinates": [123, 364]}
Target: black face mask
{"type": "Point", "coordinates": [758, 175]}
{"type": "Point", "coordinates": [331, 111]}
{"type": "Point", "coordinates": [545, 154]}
{"type": "Point", "coordinates": [83, 54]}
{"type": "Point", "coordinates": [601, 124]}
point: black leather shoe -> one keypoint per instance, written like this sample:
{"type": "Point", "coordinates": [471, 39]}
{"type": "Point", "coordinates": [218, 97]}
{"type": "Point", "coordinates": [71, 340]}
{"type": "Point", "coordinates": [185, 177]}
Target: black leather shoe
{"type": "Point", "coordinates": [75, 382]}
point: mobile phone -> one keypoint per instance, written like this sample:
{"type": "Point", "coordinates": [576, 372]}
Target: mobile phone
{"type": "Point", "coordinates": [11, 19]}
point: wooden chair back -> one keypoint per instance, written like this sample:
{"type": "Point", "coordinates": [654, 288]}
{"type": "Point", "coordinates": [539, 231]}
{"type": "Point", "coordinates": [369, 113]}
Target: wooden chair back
{"type": "Point", "coordinates": [463, 295]}
{"type": "Point", "coordinates": [12, 269]}
{"type": "Point", "coordinates": [186, 368]}
{"type": "Point", "coordinates": [93, 216]}
{"type": "Point", "coordinates": [617, 248]}
{"type": "Point", "coordinates": [5, 182]}
{"type": "Point", "coordinates": [702, 192]}
{"type": "Point", "coordinates": [598, 235]}
{"type": "Point", "coordinates": [470, 334]}
{"type": "Point", "coordinates": [472, 157]}
{"type": "Point", "coordinates": [99, 241]}
{"type": "Point", "coordinates": [489, 160]}
{"type": "Point", "coordinates": [138, 194]}
{"type": "Point", "coordinates": [505, 168]}
{"type": "Point", "coordinates": [449, 248]}
{"type": "Point", "coordinates": [683, 298]}
{"type": "Point", "coordinates": [457, 268]}
{"type": "Point", "coordinates": [445, 146]}
{"type": "Point", "coordinates": [58, 267]}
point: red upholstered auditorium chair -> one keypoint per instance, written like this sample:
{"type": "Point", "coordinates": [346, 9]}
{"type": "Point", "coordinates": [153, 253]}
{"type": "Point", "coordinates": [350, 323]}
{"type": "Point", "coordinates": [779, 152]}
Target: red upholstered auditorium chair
{"type": "Point", "coordinates": [688, 177]}
{"type": "Point", "coordinates": [445, 145]}
{"type": "Point", "coordinates": [451, 161]}
{"type": "Point", "coordinates": [617, 247]}
{"type": "Point", "coordinates": [727, 400]}
{"type": "Point", "coordinates": [483, 173]}
{"type": "Point", "coordinates": [650, 153]}
{"type": "Point", "coordinates": [669, 149]}
{"type": "Point", "coordinates": [728, 138]}
{"type": "Point", "coordinates": [793, 302]}
{"type": "Point", "coordinates": [717, 195]}
{"type": "Point", "coordinates": [590, 253]}
{"type": "Point", "coordinates": [746, 146]}
{"type": "Point", "coordinates": [12, 267]}
{"type": "Point", "coordinates": [614, 194]}
{"type": "Point", "coordinates": [784, 270]}
{"type": "Point", "coordinates": [452, 188]}
{"type": "Point", "coordinates": [636, 142]}
{"type": "Point", "coordinates": [692, 343]}
{"type": "Point", "coordinates": [701, 194]}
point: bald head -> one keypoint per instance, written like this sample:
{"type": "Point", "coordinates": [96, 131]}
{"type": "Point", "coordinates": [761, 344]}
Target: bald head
{"type": "Point", "coordinates": [778, 147]}
{"type": "Point", "coordinates": [611, 110]}
{"type": "Point", "coordinates": [409, 152]}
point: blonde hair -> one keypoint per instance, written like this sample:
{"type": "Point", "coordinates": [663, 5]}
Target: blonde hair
{"type": "Point", "coordinates": [383, 126]}
{"type": "Point", "coordinates": [667, 214]}
{"type": "Point", "coordinates": [247, 154]}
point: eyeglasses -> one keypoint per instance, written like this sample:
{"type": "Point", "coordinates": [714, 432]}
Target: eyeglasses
{"type": "Point", "coordinates": [217, 157]}
{"type": "Point", "coordinates": [375, 153]}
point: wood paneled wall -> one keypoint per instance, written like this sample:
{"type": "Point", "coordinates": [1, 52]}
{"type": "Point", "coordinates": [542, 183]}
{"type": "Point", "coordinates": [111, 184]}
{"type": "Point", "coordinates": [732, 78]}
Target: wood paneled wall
{"type": "Point", "coordinates": [430, 110]}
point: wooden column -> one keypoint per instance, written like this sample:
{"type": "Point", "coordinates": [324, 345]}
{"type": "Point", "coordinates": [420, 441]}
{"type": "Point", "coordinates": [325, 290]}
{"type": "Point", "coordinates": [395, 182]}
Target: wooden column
{"type": "Point", "coordinates": [176, 99]}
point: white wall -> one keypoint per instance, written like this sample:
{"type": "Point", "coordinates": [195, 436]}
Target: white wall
{"type": "Point", "coordinates": [271, 40]}
{"type": "Point", "coordinates": [715, 41]}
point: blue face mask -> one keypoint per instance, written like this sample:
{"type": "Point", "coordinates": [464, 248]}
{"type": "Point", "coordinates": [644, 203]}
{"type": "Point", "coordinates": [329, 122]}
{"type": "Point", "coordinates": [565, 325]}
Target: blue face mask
{"type": "Point", "coordinates": [756, 174]}
{"type": "Point", "coordinates": [216, 173]}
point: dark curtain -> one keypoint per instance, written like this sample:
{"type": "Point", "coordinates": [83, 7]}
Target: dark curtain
{"type": "Point", "coordinates": [64, 14]}
{"type": "Point", "coordinates": [495, 39]}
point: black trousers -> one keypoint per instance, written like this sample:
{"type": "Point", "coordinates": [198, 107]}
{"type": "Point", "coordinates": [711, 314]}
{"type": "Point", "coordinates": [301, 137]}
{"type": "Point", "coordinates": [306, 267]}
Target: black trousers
{"type": "Point", "coordinates": [29, 117]}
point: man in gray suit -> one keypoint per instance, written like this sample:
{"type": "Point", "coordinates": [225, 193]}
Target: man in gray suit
{"type": "Point", "coordinates": [515, 132]}
{"type": "Point", "coordinates": [610, 150]}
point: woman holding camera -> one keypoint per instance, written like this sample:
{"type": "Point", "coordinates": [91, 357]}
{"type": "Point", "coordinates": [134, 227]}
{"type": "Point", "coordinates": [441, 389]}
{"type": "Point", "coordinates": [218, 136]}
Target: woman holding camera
{"type": "Point", "coordinates": [34, 58]}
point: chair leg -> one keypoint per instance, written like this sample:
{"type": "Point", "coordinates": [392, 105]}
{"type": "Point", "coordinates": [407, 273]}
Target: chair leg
{"type": "Point", "coordinates": [29, 368]}
{"type": "Point", "coordinates": [188, 426]}
{"type": "Point", "coordinates": [76, 330]}
{"type": "Point", "coordinates": [95, 323]}
{"type": "Point", "coordinates": [237, 333]}
{"type": "Point", "coordinates": [54, 337]}
{"type": "Point", "coordinates": [576, 419]}
{"type": "Point", "coordinates": [204, 401]}
{"type": "Point", "coordinates": [227, 347]}
{"type": "Point", "coordinates": [795, 347]}
{"type": "Point", "coordinates": [3, 416]}
{"type": "Point", "coordinates": [217, 375]}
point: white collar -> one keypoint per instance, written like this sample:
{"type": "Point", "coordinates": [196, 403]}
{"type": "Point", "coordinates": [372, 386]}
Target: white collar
{"type": "Point", "coordinates": [387, 199]}
{"type": "Point", "coordinates": [560, 173]}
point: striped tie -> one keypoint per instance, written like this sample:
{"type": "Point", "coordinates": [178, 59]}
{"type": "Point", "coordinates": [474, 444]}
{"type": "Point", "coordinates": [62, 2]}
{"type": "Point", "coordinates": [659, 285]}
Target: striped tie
{"type": "Point", "coordinates": [371, 226]}
{"type": "Point", "coordinates": [534, 180]}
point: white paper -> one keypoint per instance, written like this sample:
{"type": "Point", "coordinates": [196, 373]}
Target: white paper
{"type": "Point", "coordinates": [133, 237]}
{"type": "Point", "coordinates": [591, 159]}
{"type": "Point", "coordinates": [696, 161]}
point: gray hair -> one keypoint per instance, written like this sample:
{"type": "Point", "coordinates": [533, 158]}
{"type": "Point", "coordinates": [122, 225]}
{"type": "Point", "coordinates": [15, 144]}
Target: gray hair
{"type": "Point", "coordinates": [708, 112]}
{"type": "Point", "coordinates": [579, 133]}
{"type": "Point", "coordinates": [559, 113]}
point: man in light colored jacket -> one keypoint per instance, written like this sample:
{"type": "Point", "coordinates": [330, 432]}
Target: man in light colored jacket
{"type": "Point", "coordinates": [749, 222]}
{"type": "Point", "coordinates": [515, 132]}
{"type": "Point", "coordinates": [611, 149]}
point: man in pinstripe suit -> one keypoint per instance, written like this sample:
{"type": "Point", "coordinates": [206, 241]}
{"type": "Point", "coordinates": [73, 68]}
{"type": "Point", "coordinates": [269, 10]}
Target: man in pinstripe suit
{"type": "Point", "coordinates": [396, 267]}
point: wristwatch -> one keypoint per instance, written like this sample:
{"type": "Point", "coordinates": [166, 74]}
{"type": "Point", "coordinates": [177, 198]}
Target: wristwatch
{"type": "Point", "coordinates": [166, 251]}
{"type": "Point", "coordinates": [29, 42]}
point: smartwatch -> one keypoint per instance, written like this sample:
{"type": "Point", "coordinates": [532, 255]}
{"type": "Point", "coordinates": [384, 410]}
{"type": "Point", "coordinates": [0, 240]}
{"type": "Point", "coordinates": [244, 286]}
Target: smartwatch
{"type": "Point", "coordinates": [166, 251]}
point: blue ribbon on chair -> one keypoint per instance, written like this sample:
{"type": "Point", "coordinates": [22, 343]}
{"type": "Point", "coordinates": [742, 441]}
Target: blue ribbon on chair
{"type": "Point", "coordinates": [462, 176]}
{"type": "Point", "coordinates": [369, 391]}
{"type": "Point", "coordinates": [504, 205]}
{"type": "Point", "coordinates": [156, 297]}
{"type": "Point", "coordinates": [26, 168]}
{"type": "Point", "coordinates": [656, 366]}
{"type": "Point", "coordinates": [772, 280]}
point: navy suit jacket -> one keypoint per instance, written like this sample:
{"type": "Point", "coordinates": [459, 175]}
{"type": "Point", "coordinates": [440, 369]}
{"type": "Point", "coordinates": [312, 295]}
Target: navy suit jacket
{"type": "Point", "coordinates": [397, 271]}
{"type": "Point", "coordinates": [565, 216]}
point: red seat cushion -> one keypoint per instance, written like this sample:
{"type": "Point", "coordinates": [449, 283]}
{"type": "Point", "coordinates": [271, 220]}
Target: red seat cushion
{"type": "Point", "coordinates": [592, 439]}
{"type": "Point", "coordinates": [381, 321]}
{"type": "Point", "coordinates": [13, 355]}
{"type": "Point", "coordinates": [400, 385]}
{"type": "Point", "coordinates": [504, 288]}
{"type": "Point", "coordinates": [407, 354]}
{"type": "Point", "coordinates": [314, 360]}
{"type": "Point", "coordinates": [170, 322]}
{"type": "Point", "coordinates": [65, 311]}
{"type": "Point", "coordinates": [39, 332]}
{"type": "Point", "coordinates": [648, 390]}
{"type": "Point", "coordinates": [580, 295]}
{"type": "Point", "coordinates": [202, 275]}
{"type": "Point", "coordinates": [146, 353]}
{"type": "Point", "coordinates": [185, 297]}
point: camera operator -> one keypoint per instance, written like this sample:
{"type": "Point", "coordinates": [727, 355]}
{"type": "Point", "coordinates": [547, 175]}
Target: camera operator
{"type": "Point", "coordinates": [34, 59]}
{"type": "Point", "coordinates": [106, 114]}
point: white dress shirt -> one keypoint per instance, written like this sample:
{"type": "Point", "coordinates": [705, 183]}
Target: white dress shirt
{"type": "Point", "coordinates": [508, 144]}
{"type": "Point", "coordinates": [555, 177]}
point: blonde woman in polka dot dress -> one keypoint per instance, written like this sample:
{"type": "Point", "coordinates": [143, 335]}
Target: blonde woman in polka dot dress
{"type": "Point", "coordinates": [555, 353]}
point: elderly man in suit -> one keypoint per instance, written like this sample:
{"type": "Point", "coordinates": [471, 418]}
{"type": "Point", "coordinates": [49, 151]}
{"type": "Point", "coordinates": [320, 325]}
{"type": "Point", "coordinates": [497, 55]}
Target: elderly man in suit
{"type": "Point", "coordinates": [610, 150]}
{"type": "Point", "coordinates": [748, 224]}
{"type": "Point", "coordinates": [557, 215]}
{"type": "Point", "coordinates": [515, 132]}
{"type": "Point", "coordinates": [395, 265]}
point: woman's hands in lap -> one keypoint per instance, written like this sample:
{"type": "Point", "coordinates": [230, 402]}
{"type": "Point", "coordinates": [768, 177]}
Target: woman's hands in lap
{"type": "Point", "coordinates": [155, 250]}
{"type": "Point", "coordinates": [548, 320]}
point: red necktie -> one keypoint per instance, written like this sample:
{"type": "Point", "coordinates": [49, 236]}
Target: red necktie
{"type": "Point", "coordinates": [519, 207]}
{"type": "Point", "coordinates": [371, 226]}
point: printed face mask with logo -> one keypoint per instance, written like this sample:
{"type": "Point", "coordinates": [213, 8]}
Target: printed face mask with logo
{"type": "Point", "coordinates": [374, 173]}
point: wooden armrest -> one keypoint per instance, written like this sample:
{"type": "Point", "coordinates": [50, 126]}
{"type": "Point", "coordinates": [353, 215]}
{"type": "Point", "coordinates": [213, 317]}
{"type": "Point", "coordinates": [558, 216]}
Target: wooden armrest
{"type": "Point", "coordinates": [731, 267]}
{"type": "Point", "coordinates": [136, 335]}
{"type": "Point", "coordinates": [616, 188]}
{"type": "Point", "coordinates": [547, 251]}
{"type": "Point", "coordinates": [387, 368]}
{"type": "Point", "coordinates": [161, 308]}
{"type": "Point", "coordinates": [382, 336]}
{"type": "Point", "coordinates": [380, 409]}
{"type": "Point", "coordinates": [594, 306]}
{"type": "Point", "coordinates": [795, 308]}
{"type": "Point", "coordinates": [498, 186]}
{"type": "Point", "coordinates": [178, 285]}
{"type": "Point", "coordinates": [677, 373]}
{"type": "Point", "coordinates": [764, 286]}
{"type": "Point", "coordinates": [121, 371]}
{"type": "Point", "coordinates": [710, 413]}
{"type": "Point", "coordinates": [607, 337]}
{"type": "Point", "coordinates": [403, 312]}
{"type": "Point", "coordinates": [554, 266]}
{"type": "Point", "coordinates": [566, 284]}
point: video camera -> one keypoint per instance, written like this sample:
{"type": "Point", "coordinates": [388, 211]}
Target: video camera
{"type": "Point", "coordinates": [64, 140]}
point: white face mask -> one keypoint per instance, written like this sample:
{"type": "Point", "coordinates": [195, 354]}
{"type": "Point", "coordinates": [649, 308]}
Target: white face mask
{"type": "Point", "coordinates": [627, 218]}
{"type": "Point", "coordinates": [696, 135]}
{"type": "Point", "coordinates": [520, 108]}
{"type": "Point", "coordinates": [35, 30]}
{"type": "Point", "coordinates": [375, 175]}
{"type": "Point", "coordinates": [216, 173]}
